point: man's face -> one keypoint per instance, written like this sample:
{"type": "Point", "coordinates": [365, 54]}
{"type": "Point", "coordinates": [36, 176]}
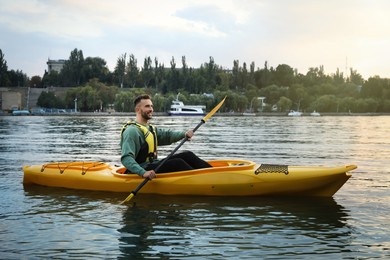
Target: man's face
{"type": "Point", "coordinates": [145, 108]}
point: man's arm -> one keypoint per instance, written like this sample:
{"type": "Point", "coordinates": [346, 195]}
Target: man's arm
{"type": "Point", "coordinates": [167, 136]}
{"type": "Point", "coordinates": [130, 145]}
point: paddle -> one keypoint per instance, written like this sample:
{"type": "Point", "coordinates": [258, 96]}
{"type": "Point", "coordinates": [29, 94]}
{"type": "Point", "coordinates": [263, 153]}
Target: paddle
{"type": "Point", "coordinates": [204, 119]}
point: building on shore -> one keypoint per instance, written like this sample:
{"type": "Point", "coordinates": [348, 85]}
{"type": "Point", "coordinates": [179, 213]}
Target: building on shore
{"type": "Point", "coordinates": [55, 65]}
{"type": "Point", "coordinates": [10, 100]}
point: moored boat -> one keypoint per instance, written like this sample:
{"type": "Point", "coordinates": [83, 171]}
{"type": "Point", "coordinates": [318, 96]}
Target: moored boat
{"type": "Point", "coordinates": [315, 113]}
{"type": "Point", "coordinates": [225, 178]}
{"type": "Point", "coordinates": [294, 113]}
{"type": "Point", "coordinates": [179, 109]}
{"type": "Point", "coordinates": [248, 114]}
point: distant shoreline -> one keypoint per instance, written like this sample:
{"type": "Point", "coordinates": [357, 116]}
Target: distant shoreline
{"type": "Point", "coordinates": [220, 114]}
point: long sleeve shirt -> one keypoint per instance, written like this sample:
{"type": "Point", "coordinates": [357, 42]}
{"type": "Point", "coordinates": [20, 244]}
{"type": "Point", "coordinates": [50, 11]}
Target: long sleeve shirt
{"type": "Point", "coordinates": [132, 140]}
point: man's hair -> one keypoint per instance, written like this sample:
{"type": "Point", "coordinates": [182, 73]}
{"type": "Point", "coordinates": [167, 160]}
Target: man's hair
{"type": "Point", "coordinates": [139, 98]}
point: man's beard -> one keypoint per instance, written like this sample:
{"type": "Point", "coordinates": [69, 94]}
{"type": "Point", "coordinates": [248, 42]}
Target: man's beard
{"type": "Point", "coordinates": [146, 116]}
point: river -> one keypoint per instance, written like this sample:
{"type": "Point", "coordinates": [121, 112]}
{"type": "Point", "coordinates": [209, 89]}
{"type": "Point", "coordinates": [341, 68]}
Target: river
{"type": "Point", "coordinates": [41, 222]}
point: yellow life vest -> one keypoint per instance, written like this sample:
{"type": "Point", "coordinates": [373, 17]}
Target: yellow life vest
{"type": "Point", "coordinates": [148, 151]}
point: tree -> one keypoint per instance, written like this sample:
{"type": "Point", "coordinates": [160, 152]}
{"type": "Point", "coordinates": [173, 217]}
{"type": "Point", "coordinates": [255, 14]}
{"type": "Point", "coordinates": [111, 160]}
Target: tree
{"type": "Point", "coordinates": [338, 77]}
{"type": "Point", "coordinates": [243, 76]}
{"type": "Point", "coordinates": [36, 82]}
{"type": "Point", "coordinates": [211, 70]}
{"type": "Point", "coordinates": [3, 70]}
{"type": "Point", "coordinates": [184, 76]}
{"type": "Point", "coordinates": [298, 94]}
{"type": "Point", "coordinates": [132, 71]}
{"type": "Point", "coordinates": [224, 81]}
{"type": "Point", "coordinates": [147, 72]}
{"type": "Point", "coordinates": [71, 96]}
{"type": "Point", "coordinates": [51, 79]}
{"type": "Point", "coordinates": [72, 72]}
{"type": "Point", "coordinates": [48, 99]}
{"type": "Point", "coordinates": [123, 101]}
{"type": "Point", "coordinates": [273, 93]}
{"type": "Point", "coordinates": [345, 104]}
{"type": "Point", "coordinates": [316, 76]}
{"type": "Point", "coordinates": [106, 93]}
{"type": "Point", "coordinates": [263, 77]}
{"type": "Point", "coordinates": [158, 73]}
{"type": "Point", "coordinates": [327, 103]}
{"type": "Point", "coordinates": [17, 78]}
{"type": "Point", "coordinates": [95, 67]}
{"type": "Point", "coordinates": [373, 87]}
{"type": "Point", "coordinates": [356, 77]}
{"type": "Point", "coordinates": [235, 75]}
{"type": "Point", "coordinates": [284, 104]}
{"type": "Point", "coordinates": [120, 69]}
{"type": "Point", "coordinates": [252, 73]}
{"type": "Point", "coordinates": [173, 83]}
{"type": "Point", "coordinates": [159, 103]}
{"type": "Point", "coordinates": [349, 89]}
{"type": "Point", "coordinates": [88, 99]}
{"type": "Point", "coordinates": [284, 75]}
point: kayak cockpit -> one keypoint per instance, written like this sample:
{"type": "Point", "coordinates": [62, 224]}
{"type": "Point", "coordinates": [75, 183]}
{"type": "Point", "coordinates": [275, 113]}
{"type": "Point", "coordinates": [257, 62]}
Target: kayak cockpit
{"type": "Point", "coordinates": [217, 165]}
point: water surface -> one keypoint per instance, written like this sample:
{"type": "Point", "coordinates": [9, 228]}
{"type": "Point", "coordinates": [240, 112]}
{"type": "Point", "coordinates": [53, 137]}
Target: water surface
{"type": "Point", "coordinates": [41, 222]}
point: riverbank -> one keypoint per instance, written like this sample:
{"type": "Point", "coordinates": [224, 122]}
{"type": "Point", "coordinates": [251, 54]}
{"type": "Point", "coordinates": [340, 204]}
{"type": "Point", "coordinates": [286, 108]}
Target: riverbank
{"type": "Point", "coordinates": [222, 114]}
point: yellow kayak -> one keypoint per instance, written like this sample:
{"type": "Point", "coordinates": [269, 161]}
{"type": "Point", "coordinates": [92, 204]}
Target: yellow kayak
{"type": "Point", "coordinates": [225, 178]}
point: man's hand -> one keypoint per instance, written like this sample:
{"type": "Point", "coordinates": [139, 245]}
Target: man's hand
{"type": "Point", "coordinates": [189, 134]}
{"type": "Point", "coordinates": [149, 174]}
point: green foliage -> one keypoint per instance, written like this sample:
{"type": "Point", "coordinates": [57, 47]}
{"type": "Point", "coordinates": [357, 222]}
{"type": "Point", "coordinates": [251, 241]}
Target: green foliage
{"type": "Point", "coordinates": [72, 72]}
{"type": "Point", "coordinates": [326, 103]}
{"type": "Point", "coordinates": [374, 87]}
{"type": "Point", "coordinates": [273, 93]}
{"type": "Point", "coordinates": [120, 70]}
{"type": "Point", "coordinates": [283, 87]}
{"type": "Point", "coordinates": [3, 70]}
{"type": "Point", "coordinates": [284, 75]}
{"type": "Point", "coordinates": [132, 71]}
{"type": "Point", "coordinates": [124, 99]}
{"type": "Point", "coordinates": [88, 99]}
{"type": "Point", "coordinates": [36, 82]}
{"type": "Point", "coordinates": [17, 78]}
{"type": "Point", "coordinates": [11, 78]}
{"type": "Point", "coordinates": [95, 67]}
{"type": "Point", "coordinates": [106, 93]}
{"type": "Point", "coordinates": [51, 79]}
{"type": "Point", "coordinates": [284, 104]}
{"type": "Point", "coordinates": [48, 99]}
{"type": "Point", "coordinates": [94, 96]}
{"type": "Point", "coordinates": [147, 72]}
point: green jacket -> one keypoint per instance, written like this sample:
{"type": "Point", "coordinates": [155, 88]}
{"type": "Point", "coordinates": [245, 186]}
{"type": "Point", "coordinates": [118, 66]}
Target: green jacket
{"type": "Point", "coordinates": [132, 141]}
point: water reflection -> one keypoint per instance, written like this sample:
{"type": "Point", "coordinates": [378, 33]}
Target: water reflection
{"type": "Point", "coordinates": [172, 226]}
{"type": "Point", "coordinates": [164, 226]}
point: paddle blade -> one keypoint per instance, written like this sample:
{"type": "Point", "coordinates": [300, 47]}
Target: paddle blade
{"type": "Point", "coordinates": [215, 109]}
{"type": "Point", "coordinates": [128, 198]}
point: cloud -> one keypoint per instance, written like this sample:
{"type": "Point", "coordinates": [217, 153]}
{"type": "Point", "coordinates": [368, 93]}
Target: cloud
{"type": "Point", "coordinates": [300, 33]}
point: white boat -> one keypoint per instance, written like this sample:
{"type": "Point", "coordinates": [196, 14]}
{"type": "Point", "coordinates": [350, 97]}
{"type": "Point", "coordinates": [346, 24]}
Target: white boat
{"type": "Point", "coordinates": [294, 113]}
{"type": "Point", "coordinates": [248, 114]}
{"type": "Point", "coordinates": [20, 112]}
{"type": "Point", "coordinates": [315, 113]}
{"type": "Point", "coordinates": [179, 109]}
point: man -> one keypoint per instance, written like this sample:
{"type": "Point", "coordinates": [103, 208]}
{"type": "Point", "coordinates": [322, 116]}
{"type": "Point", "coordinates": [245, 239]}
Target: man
{"type": "Point", "coordinates": [139, 141]}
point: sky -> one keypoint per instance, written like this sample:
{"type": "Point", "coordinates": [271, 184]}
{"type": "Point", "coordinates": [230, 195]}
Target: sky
{"type": "Point", "coordinates": [335, 34]}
